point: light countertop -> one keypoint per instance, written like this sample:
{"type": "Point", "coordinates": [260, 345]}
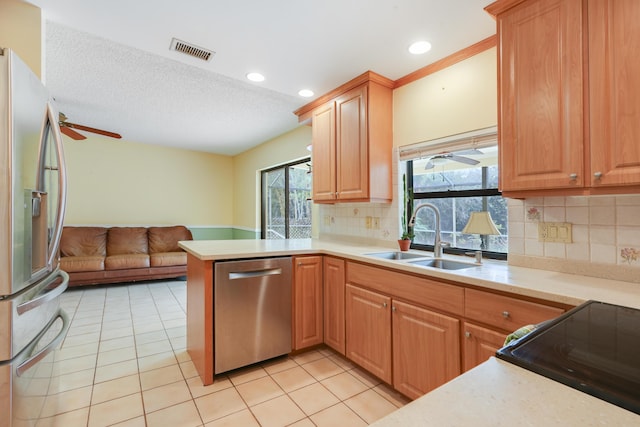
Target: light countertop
{"type": "Point", "coordinates": [495, 393]}
{"type": "Point", "coordinates": [497, 275]}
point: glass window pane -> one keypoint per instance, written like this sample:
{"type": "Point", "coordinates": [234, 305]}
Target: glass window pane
{"type": "Point", "coordinates": [454, 215]}
{"type": "Point", "coordinates": [275, 204]}
{"type": "Point", "coordinates": [286, 209]}
{"type": "Point", "coordinates": [437, 179]}
{"type": "Point", "coordinates": [299, 202]}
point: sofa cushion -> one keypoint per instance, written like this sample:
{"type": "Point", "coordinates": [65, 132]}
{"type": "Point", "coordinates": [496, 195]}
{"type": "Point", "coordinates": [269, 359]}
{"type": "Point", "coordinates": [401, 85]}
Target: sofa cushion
{"type": "Point", "coordinates": [83, 241]}
{"type": "Point", "coordinates": [82, 263]}
{"type": "Point", "coordinates": [127, 240]}
{"type": "Point", "coordinates": [165, 239]}
{"type": "Point", "coordinates": [125, 261]}
{"type": "Point", "coordinates": [168, 258]}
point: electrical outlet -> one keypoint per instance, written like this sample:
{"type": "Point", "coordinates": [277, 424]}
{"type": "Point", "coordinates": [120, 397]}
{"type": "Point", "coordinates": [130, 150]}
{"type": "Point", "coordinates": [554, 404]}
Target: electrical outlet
{"type": "Point", "coordinates": [559, 232]}
{"type": "Point", "coordinates": [376, 222]}
{"type": "Point", "coordinates": [367, 222]}
{"type": "Point", "coordinates": [327, 220]}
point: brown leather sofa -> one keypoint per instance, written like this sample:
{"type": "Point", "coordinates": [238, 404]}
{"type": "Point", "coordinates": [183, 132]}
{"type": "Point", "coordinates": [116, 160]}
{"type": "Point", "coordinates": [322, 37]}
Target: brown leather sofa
{"type": "Point", "coordinates": [97, 255]}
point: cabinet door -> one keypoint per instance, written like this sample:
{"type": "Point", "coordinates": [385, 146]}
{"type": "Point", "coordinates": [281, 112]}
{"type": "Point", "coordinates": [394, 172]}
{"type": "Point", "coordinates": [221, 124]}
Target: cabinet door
{"type": "Point", "coordinates": [351, 145]}
{"type": "Point", "coordinates": [541, 95]}
{"type": "Point", "coordinates": [426, 349]}
{"type": "Point", "coordinates": [334, 284]}
{"type": "Point", "coordinates": [307, 301]}
{"type": "Point", "coordinates": [323, 147]}
{"type": "Point", "coordinates": [480, 344]}
{"type": "Point", "coordinates": [614, 89]}
{"type": "Point", "coordinates": [368, 319]}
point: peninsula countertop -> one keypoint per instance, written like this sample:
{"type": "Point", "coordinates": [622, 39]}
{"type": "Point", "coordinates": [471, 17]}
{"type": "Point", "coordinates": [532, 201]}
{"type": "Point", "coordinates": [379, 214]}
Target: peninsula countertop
{"type": "Point", "coordinates": [553, 286]}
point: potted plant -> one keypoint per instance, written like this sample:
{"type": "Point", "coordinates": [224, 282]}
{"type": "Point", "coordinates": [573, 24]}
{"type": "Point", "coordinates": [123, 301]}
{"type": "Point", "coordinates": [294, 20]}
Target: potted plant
{"type": "Point", "coordinates": [407, 233]}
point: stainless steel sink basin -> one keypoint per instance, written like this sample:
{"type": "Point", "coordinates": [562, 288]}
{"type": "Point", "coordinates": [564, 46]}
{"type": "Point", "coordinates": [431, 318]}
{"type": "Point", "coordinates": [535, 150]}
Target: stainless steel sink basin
{"type": "Point", "coordinates": [443, 264]}
{"type": "Point", "coordinates": [397, 255]}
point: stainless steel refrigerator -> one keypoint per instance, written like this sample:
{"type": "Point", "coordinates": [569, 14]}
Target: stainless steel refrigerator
{"type": "Point", "coordinates": [32, 202]}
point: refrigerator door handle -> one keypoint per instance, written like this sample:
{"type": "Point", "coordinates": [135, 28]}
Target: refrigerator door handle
{"type": "Point", "coordinates": [42, 353]}
{"type": "Point", "coordinates": [52, 116]}
{"type": "Point", "coordinates": [47, 294]}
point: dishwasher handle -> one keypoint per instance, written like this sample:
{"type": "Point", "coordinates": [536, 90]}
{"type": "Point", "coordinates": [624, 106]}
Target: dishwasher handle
{"type": "Point", "coordinates": [255, 273]}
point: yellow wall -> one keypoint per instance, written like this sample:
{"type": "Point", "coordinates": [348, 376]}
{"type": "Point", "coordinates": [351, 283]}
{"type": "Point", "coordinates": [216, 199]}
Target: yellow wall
{"type": "Point", "coordinates": [21, 30]}
{"type": "Point", "coordinates": [117, 182]}
{"type": "Point", "coordinates": [246, 172]}
{"type": "Point", "coordinates": [460, 98]}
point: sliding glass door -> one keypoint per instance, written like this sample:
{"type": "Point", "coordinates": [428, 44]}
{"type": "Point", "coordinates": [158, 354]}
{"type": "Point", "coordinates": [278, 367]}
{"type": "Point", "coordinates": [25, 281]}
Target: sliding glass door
{"type": "Point", "coordinates": [286, 201]}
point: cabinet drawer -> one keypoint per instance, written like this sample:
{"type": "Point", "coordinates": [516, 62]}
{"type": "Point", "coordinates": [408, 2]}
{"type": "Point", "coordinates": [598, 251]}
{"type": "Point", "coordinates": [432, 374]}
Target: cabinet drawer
{"type": "Point", "coordinates": [505, 312]}
{"type": "Point", "coordinates": [426, 292]}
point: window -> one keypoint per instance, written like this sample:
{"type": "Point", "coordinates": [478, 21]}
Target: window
{"type": "Point", "coordinates": [286, 204]}
{"type": "Point", "coordinates": [457, 183]}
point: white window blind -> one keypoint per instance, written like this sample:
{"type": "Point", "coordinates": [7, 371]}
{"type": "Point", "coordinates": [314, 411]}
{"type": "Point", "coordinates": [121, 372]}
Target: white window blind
{"type": "Point", "coordinates": [480, 138]}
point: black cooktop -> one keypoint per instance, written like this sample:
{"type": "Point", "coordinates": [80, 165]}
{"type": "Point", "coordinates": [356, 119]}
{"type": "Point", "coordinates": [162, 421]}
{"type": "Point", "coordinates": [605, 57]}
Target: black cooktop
{"type": "Point", "coordinates": [594, 348]}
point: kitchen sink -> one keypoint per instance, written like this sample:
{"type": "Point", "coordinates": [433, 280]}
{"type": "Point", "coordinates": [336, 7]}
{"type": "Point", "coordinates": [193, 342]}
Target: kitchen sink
{"type": "Point", "coordinates": [397, 255]}
{"type": "Point", "coordinates": [443, 264]}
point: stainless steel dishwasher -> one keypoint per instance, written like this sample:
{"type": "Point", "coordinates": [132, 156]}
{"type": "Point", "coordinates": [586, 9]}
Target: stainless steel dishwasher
{"type": "Point", "coordinates": [252, 311]}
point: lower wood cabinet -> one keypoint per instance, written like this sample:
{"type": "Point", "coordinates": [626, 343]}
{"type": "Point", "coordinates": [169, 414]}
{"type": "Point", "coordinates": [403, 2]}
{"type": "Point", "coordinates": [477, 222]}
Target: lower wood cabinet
{"type": "Point", "coordinates": [426, 349]}
{"type": "Point", "coordinates": [334, 288]}
{"type": "Point", "coordinates": [413, 348]}
{"type": "Point", "coordinates": [307, 302]}
{"type": "Point", "coordinates": [501, 315]}
{"type": "Point", "coordinates": [368, 322]}
{"type": "Point", "coordinates": [479, 344]}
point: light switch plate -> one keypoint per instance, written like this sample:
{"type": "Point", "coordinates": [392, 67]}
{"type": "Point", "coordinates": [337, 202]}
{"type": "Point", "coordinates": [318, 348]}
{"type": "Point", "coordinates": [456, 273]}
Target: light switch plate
{"type": "Point", "coordinates": [559, 232]}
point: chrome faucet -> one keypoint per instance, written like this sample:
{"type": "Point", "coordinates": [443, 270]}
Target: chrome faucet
{"type": "Point", "coordinates": [437, 243]}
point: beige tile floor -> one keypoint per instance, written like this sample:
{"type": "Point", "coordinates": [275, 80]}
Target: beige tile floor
{"type": "Point", "coordinates": [124, 363]}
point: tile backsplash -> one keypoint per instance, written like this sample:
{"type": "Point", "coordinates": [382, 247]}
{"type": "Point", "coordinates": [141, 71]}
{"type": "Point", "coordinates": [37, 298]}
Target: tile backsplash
{"type": "Point", "coordinates": [606, 229]}
{"type": "Point", "coordinates": [605, 235]}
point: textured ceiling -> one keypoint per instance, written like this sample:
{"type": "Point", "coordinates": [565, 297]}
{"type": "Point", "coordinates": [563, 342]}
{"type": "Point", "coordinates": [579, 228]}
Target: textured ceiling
{"type": "Point", "coordinates": [109, 66]}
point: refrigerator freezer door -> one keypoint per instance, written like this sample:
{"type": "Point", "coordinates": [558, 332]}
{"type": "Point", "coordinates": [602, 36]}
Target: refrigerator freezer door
{"type": "Point", "coordinates": [26, 314]}
{"type": "Point", "coordinates": [26, 381]}
{"type": "Point", "coordinates": [32, 183]}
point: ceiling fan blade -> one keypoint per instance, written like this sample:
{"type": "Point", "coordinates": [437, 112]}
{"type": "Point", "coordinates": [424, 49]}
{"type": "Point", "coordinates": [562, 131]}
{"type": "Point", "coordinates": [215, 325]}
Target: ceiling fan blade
{"type": "Point", "coordinates": [71, 133]}
{"type": "Point", "coordinates": [462, 159]}
{"type": "Point", "coordinates": [470, 152]}
{"type": "Point", "coordinates": [93, 130]}
{"type": "Point", "coordinates": [429, 165]}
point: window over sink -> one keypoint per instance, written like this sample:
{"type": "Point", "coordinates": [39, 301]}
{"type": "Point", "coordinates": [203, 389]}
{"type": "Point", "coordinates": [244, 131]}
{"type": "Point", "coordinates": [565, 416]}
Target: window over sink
{"type": "Point", "coordinates": [459, 176]}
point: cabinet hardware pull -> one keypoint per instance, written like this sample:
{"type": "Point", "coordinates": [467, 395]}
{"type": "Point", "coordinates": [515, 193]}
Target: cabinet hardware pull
{"type": "Point", "coordinates": [573, 176]}
{"type": "Point", "coordinates": [467, 334]}
{"type": "Point", "coordinates": [393, 308]}
{"type": "Point", "coordinates": [506, 314]}
{"type": "Point", "coordinates": [598, 175]}
{"type": "Point", "coordinates": [384, 304]}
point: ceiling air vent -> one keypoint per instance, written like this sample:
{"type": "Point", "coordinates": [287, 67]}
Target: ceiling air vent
{"type": "Point", "coordinates": [191, 50]}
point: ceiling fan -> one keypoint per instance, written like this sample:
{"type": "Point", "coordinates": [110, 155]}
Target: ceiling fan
{"type": "Point", "coordinates": [441, 158]}
{"type": "Point", "coordinates": [68, 129]}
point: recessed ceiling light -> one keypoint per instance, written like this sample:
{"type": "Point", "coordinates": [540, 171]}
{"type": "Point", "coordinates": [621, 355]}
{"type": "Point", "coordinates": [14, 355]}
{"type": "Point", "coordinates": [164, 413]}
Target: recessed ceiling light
{"type": "Point", "coordinates": [420, 47]}
{"type": "Point", "coordinates": [306, 93]}
{"type": "Point", "coordinates": [255, 77]}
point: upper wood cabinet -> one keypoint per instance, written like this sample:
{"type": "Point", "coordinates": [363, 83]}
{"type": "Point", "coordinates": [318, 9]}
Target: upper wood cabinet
{"type": "Point", "coordinates": [614, 92]}
{"type": "Point", "coordinates": [352, 141]}
{"type": "Point", "coordinates": [307, 301]}
{"type": "Point", "coordinates": [569, 115]}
